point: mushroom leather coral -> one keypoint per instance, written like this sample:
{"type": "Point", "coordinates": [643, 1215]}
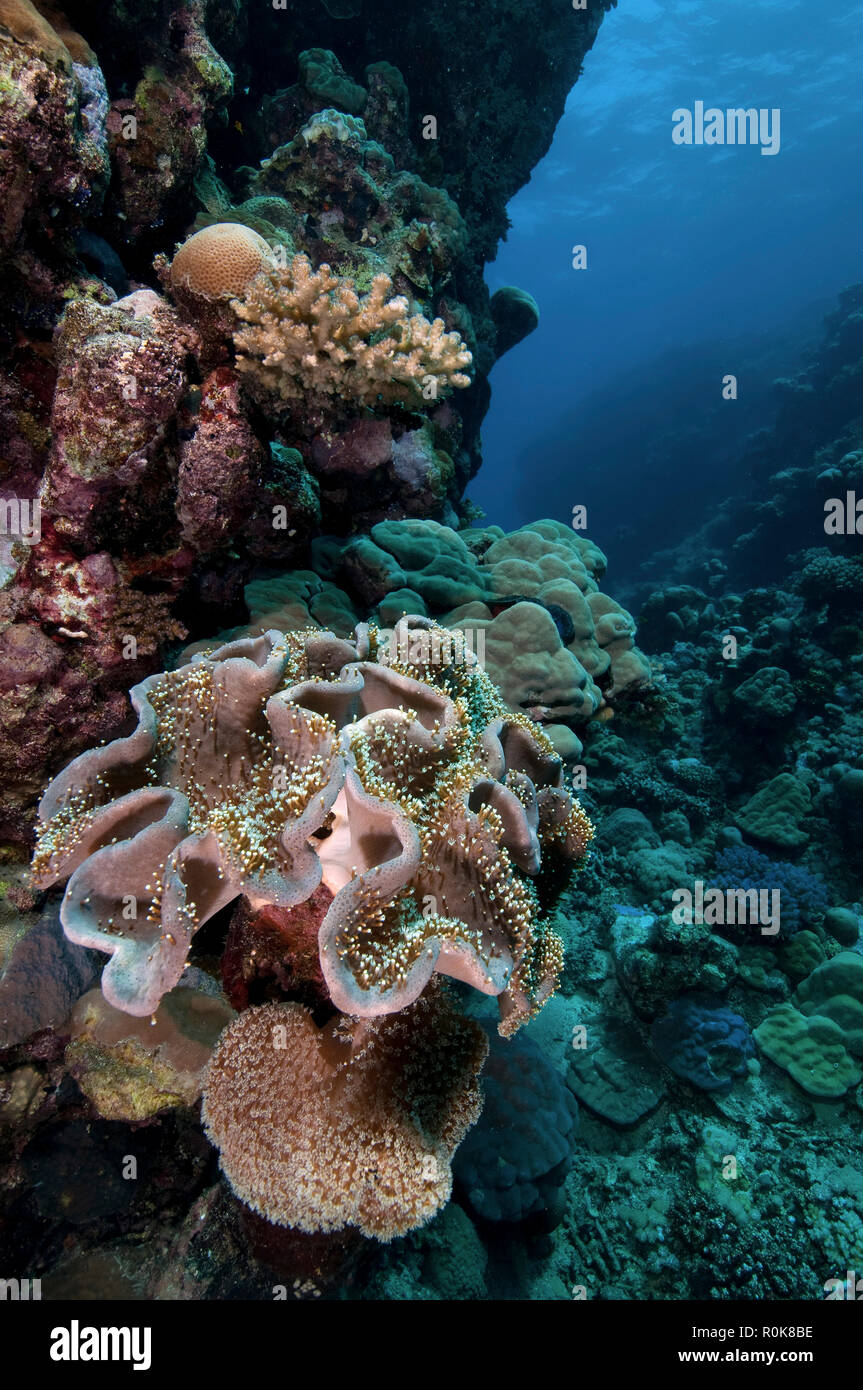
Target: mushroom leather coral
{"type": "Point", "coordinates": [351, 1124]}
{"type": "Point", "coordinates": [273, 764]}
{"type": "Point", "coordinates": [162, 829]}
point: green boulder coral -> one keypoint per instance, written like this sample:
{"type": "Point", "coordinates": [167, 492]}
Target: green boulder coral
{"type": "Point", "coordinates": [775, 812]}
{"type": "Point", "coordinates": [818, 1039]}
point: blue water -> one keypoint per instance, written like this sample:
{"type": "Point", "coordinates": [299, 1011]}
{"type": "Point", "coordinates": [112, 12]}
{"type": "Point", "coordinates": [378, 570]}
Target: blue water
{"type": "Point", "coordinates": [685, 245]}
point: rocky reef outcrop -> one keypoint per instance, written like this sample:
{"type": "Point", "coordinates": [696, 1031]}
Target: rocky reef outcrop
{"type": "Point", "coordinates": [170, 202]}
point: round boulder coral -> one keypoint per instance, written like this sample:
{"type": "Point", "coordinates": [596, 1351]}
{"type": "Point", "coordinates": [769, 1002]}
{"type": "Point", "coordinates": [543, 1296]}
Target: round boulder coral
{"type": "Point", "coordinates": [514, 1163]}
{"type": "Point", "coordinates": [220, 261]}
{"type": "Point", "coordinates": [704, 1042]}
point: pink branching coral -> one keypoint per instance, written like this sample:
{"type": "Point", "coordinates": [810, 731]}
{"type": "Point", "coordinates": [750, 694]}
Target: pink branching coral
{"type": "Point", "coordinates": [307, 335]}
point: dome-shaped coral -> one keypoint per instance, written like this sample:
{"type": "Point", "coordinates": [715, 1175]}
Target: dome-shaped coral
{"type": "Point", "coordinates": [515, 1160]}
{"type": "Point", "coordinates": [220, 261]}
{"type": "Point", "coordinates": [352, 1124]}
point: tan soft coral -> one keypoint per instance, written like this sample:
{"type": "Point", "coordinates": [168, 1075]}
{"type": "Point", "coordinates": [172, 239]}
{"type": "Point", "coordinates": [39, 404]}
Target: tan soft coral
{"type": "Point", "coordinates": [402, 782]}
{"type": "Point", "coordinates": [213, 795]}
{"type": "Point", "coordinates": [480, 791]}
{"type": "Point", "coordinates": [308, 336]}
{"type": "Point", "coordinates": [385, 784]}
{"type": "Point", "coordinates": [352, 1124]}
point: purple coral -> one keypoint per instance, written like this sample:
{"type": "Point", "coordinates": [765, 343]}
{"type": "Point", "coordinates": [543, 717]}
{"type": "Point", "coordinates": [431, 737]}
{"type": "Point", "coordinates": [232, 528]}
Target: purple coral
{"type": "Point", "coordinates": [803, 896]}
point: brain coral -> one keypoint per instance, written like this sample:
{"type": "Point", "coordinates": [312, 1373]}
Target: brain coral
{"type": "Point", "coordinates": [219, 262]}
{"type": "Point", "coordinates": [351, 1124]}
{"type": "Point", "coordinates": [273, 764]}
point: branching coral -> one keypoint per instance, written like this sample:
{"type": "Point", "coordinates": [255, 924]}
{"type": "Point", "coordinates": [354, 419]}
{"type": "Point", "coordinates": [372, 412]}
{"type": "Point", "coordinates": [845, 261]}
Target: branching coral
{"type": "Point", "coordinates": [804, 897]}
{"type": "Point", "coordinates": [309, 336]}
{"type": "Point", "coordinates": [423, 817]}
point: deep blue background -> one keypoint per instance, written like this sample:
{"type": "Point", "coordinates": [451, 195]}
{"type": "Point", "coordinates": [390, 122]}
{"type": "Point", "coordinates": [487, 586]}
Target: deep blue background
{"type": "Point", "coordinates": [722, 247]}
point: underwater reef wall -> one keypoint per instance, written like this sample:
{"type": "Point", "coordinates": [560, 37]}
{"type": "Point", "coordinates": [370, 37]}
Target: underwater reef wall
{"type": "Point", "coordinates": [335, 184]}
{"type": "Point", "coordinates": [361, 878]}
